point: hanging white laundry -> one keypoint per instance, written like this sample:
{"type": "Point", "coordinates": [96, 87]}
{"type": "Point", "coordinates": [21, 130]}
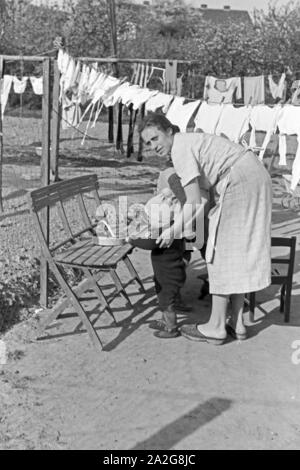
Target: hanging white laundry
{"type": "Point", "coordinates": [218, 90]}
{"type": "Point", "coordinates": [5, 86]}
{"type": "Point", "coordinates": [20, 85]}
{"type": "Point", "coordinates": [263, 118]}
{"type": "Point", "coordinates": [289, 124]}
{"type": "Point", "coordinates": [62, 61]}
{"type": "Point", "coordinates": [128, 93]}
{"type": "Point", "coordinates": [137, 75]}
{"type": "Point", "coordinates": [141, 96]}
{"type": "Point", "coordinates": [254, 90]}
{"type": "Point", "coordinates": [102, 85]}
{"type": "Point", "coordinates": [142, 74]}
{"type": "Point", "coordinates": [83, 84]}
{"type": "Point", "coordinates": [69, 74]}
{"type": "Point", "coordinates": [93, 76]}
{"type": "Point", "coordinates": [114, 96]}
{"type": "Point", "coordinates": [37, 85]}
{"type": "Point", "coordinates": [207, 117]}
{"type": "Point", "coordinates": [179, 114]}
{"type": "Point", "coordinates": [146, 78]}
{"type": "Point", "coordinates": [277, 90]}
{"type": "Point", "coordinates": [71, 113]}
{"type": "Point", "coordinates": [161, 100]}
{"type": "Point", "coordinates": [234, 122]}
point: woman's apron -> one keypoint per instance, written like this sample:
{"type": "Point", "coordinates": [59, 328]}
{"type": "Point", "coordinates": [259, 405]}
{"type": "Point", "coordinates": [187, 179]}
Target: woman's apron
{"type": "Point", "coordinates": [215, 213]}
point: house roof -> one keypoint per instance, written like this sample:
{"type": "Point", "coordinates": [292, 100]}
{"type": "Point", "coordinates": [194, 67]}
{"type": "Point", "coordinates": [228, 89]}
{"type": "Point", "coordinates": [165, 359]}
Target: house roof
{"type": "Point", "coordinates": [222, 15]}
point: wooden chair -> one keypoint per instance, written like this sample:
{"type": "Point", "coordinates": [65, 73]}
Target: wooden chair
{"type": "Point", "coordinates": [79, 250]}
{"type": "Point", "coordinates": [282, 277]}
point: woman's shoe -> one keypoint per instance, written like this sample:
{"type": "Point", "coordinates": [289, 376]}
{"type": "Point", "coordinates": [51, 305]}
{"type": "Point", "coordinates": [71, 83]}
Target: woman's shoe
{"type": "Point", "coordinates": [231, 331]}
{"type": "Point", "coordinates": [191, 332]}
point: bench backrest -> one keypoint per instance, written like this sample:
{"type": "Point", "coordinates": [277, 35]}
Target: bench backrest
{"type": "Point", "coordinates": [56, 195]}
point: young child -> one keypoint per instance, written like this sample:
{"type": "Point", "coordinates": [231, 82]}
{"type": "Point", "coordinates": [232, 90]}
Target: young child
{"type": "Point", "coordinates": [169, 267]}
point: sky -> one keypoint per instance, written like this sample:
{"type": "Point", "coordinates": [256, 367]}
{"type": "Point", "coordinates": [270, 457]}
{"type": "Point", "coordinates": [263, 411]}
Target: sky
{"type": "Point", "coordinates": [239, 4]}
{"type": "Point", "coordinates": [234, 4]}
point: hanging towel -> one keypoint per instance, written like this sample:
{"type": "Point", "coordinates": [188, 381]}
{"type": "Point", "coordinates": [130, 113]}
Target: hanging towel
{"type": "Point", "coordinates": [277, 90]}
{"type": "Point", "coordinates": [179, 114]}
{"type": "Point", "coordinates": [289, 124]}
{"type": "Point", "coordinates": [263, 118]}
{"type": "Point", "coordinates": [220, 90]}
{"type": "Point", "coordinates": [254, 90]}
{"type": "Point", "coordinates": [20, 85]}
{"type": "Point", "coordinates": [207, 117]}
{"type": "Point", "coordinates": [5, 86]}
{"type": "Point", "coordinates": [37, 85]}
{"type": "Point", "coordinates": [234, 122]}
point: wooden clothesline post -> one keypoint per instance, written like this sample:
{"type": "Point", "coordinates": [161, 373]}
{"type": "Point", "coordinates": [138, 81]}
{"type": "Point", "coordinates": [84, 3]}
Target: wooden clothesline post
{"type": "Point", "coordinates": [111, 10]}
{"type": "Point", "coordinates": [55, 123]}
{"type": "Point", "coordinates": [45, 176]}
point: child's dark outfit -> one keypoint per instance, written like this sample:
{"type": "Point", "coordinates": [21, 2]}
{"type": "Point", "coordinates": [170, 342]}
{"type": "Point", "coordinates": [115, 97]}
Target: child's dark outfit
{"type": "Point", "coordinates": [169, 265]}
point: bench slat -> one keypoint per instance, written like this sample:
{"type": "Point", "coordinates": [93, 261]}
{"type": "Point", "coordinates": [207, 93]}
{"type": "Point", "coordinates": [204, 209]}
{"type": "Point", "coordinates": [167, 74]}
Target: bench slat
{"type": "Point", "coordinates": [63, 190]}
{"type": "Point", "coordinates": [91, 255]}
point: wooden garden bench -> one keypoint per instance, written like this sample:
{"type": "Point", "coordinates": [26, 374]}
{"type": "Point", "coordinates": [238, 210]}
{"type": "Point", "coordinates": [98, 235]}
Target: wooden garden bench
{"type": "Point", "coordinates": [79, 250]}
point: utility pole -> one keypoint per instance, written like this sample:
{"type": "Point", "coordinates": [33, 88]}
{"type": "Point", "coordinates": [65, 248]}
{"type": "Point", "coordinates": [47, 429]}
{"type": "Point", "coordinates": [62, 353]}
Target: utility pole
{"type": "Point", "coordinates": [111, 8]}
{"type": "Point", "coordinates": [111, 11]}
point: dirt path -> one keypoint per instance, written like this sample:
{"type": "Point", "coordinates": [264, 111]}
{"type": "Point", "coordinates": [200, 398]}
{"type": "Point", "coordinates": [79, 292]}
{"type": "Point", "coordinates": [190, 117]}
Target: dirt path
{"type": "Point", "coordinates": [146, 393]}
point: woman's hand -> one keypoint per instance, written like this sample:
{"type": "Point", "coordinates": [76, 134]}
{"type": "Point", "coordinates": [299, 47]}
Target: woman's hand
{"type": "Point", "coordinates": [166, 238]}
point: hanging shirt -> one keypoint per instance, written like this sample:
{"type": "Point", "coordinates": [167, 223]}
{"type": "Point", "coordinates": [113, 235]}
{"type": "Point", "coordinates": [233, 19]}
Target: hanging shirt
{"type": "Point", "coordinates": [161, 100]}
{"type": "Point", "coordinates": [234, 122]}
{"type": "Point", "coordinates": [37, 85]}
{"type": "Point", "coordinates": [221, 91]}
{"type": "Point", "coordinates": [263, 118]}
{"type": "Point", "coordinates": [5, 86]}
{"type": "Point", "coordinates": [289, 124]}
{"type": "Point", "coordinates": [179, 114]}
{"type": "Point", "coordinates": [20, 85]}
{"type": "Point", "coordinates": [207, 117]}
{"type": "Point", "coordinates": [254, 90]}
{"type": "Point", "coordinates": [277, 89]}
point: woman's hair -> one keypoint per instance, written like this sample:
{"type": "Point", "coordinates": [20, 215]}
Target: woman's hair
{"type": "Point", "coordinates": [157, 120]}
